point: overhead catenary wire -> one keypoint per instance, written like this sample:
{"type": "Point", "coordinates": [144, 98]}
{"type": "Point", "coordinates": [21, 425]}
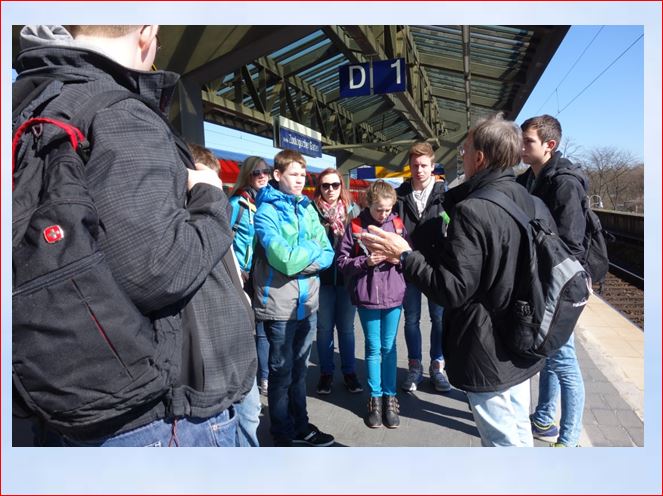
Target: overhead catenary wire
{"type": "Point", "coordinates": [600, 74]}
{"type": "Point", "coordinates": [554, 92]}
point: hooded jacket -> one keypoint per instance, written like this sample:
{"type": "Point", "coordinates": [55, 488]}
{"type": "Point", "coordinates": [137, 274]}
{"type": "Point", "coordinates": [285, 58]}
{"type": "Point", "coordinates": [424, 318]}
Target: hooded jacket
{"type": "Point", "coordinates": [563, 186]}
{"type": "Point", "coordinates": [159, 251]}
{"type": "Point", "coordinates": [292, 248]}
{"type": "Point", "coordinates": [243, 228]}
{"type": "Point", "coordinates": [381, 286]}
{"type": "Point", "coordinates": [473, 278]}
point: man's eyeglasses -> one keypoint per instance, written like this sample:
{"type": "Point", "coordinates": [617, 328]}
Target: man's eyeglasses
{"type": "Point", "coordinates": [333, 186]}
{"type": "Point", "coordinates": [260, 172]}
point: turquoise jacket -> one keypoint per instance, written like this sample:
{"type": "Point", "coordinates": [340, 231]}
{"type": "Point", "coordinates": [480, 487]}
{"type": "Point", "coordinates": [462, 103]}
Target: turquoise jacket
{"type": "Point", "coordinates": [243, 228]}
{"type": "Point", "coordinates": [292, 247]}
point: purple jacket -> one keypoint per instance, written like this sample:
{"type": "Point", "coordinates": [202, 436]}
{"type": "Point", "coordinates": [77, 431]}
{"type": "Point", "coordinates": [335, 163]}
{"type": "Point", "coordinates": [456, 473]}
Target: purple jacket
{"type": "Point", "coordinates": [378, 287]}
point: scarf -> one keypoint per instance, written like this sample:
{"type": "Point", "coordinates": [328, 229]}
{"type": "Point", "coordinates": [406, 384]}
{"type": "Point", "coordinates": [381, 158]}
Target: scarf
{"type": "Point", "coordinates": [334, 215]}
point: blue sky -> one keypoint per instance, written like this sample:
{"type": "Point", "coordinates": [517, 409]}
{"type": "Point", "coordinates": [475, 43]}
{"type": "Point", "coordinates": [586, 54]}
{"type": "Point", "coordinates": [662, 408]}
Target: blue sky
{"type": "Point", "coordinates": [610, 112]}
{"type": "Point", "coordinates": [607, 112]}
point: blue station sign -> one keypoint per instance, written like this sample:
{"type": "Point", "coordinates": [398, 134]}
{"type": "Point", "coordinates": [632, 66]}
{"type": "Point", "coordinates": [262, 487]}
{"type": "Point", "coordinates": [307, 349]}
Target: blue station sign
{"type": "Point", "coordinates": [291, 135]}
{"type": "Point", "coordinates": [372, 78]}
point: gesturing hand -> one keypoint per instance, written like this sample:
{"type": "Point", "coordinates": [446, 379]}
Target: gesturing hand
{"type": "Point", "coordinates": [390, 245]}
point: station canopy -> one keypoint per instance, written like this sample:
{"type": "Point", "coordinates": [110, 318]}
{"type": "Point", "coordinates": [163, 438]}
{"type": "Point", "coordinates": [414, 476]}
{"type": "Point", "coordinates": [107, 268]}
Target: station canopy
{"type": "Point", "coordinates": [245, 76]}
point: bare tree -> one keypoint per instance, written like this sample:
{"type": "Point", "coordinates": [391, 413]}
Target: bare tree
{"type": "Point", "coordinates": [614, 177]}
{"type": "Point", "coordinates": [571, 149]}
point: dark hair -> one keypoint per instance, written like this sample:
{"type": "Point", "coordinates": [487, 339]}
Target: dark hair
{"type": "Point", "coordinates": [500, 141]}
{"type": "Point", "coordinates": [547, 128]}
{"type": "Point", "coordinates": [204, 156]}
{"type": "Point", "coordinates": [284, 158]}
{"type": "Point", "coordinates": [344, 195]}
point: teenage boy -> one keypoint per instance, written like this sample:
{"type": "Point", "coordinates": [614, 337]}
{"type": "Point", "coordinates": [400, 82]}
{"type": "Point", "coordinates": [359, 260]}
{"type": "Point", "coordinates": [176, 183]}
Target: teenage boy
{"type": "Point", "coordinates": [563, 188]}
{"type": "Point", "coordinates": [419, 204]}
{"type": "Point", "coordinates": [292, 248]}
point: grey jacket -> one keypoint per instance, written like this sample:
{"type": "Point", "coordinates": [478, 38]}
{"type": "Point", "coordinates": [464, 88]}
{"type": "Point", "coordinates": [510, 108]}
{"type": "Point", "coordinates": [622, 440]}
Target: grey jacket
{"type": "Point", "coordinates": [159, 251]}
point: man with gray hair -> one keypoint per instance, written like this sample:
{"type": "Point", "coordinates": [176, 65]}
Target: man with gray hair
{"type": "Point", "coordinates": [473, 276]}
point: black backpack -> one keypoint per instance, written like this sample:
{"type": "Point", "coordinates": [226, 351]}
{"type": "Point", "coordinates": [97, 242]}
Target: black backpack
{"type": "Point", "coordinates": [82, 353]}
{"type": "Point", "coordinates": [596, 249]}
{"type": "Point", "coordinates": [594, 242]}
{"type": "Point", "coordinates": [551, 290]}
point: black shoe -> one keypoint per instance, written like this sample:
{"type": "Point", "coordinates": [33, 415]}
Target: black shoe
{"type": "Point", "coordinates": [313, 437]}
{"type": "Point", "coordinates": [352, 383]}
{"type": "Point", "coordinates": [325, 384]}
{"type": "Point", "coordinates": [391, 411]}
{"type": "Point", "coordinates": [373, 418]}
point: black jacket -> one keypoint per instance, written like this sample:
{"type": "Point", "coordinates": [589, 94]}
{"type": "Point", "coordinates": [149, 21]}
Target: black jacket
{"type": "Point", "coordinates": [475, 271]}
{"type": "Point", "coordinates": [426, 231]}
{"type": "Point", "coordinates": [563, 187]}
{"type": "Point", "coordinates": [159, 251]}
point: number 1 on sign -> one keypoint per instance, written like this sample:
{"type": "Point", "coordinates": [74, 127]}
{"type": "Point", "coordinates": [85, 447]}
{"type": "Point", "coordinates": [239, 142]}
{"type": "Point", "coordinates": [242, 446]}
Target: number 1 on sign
{"type": "Point", "coordinates": [396, 65]}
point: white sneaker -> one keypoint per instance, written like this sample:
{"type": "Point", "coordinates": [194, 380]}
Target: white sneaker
{"type": "Point", "coordinates": [415, 375]}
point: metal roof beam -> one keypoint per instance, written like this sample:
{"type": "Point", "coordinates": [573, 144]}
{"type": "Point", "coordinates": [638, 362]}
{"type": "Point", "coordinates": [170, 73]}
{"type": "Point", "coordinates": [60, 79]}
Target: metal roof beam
{"type": "Point", "coordinates": [403, 102]}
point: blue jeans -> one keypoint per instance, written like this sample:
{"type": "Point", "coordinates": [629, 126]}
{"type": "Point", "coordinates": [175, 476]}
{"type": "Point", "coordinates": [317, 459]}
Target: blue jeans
{"type": "Point", "coordinates": [289, 348]}
{"type": "Point", "coordinates": [380, 328]}
{"type": "Point", "coordinates": [412, 309]}
{"type": "Point", "coordinates": [562, 371]}
{"type": "Point", "coordinates": [502, 417]}
{"type": "Point", "coordinates": [248, 419]}
{"type": "Point", "coordinates": [217, 431]}
{"type": "Point", "coordinates": [336, 309]}
{"type": "Point", "coordinates": [262, 346]}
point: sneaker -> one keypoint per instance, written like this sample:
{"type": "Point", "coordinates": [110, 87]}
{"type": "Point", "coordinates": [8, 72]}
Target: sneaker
{"type": "Point", "coordinates": [541, 431]}
{"type": "Point", "coordinates": [263, 387]}
{"type": "Point", "coordinates": [438, 377]}
{"type": "Point", "coordinates": [415, 375]}
{"type": "Point", "coordinates": [352, 383]}
{"type": "Point", "coordinates": [313, 437]}
{"type": "Point", "coordinates": [325, 384]}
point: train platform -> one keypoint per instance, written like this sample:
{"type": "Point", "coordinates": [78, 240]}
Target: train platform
{"type": "Point", "coordinates": [611, 353]}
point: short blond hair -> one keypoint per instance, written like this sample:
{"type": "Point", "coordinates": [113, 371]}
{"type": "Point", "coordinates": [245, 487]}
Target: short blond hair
{"type": "Point", "coordinates": [380, 189]}
{"type": "Point", "coordinates": [101, 30]}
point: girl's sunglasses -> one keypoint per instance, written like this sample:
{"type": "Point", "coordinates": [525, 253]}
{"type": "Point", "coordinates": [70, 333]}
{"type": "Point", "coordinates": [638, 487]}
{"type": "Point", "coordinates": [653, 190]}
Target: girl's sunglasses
{"type": "Point", "coordinates": [333, 186]}
{"type": "Point", "coordinates": [260, 172]}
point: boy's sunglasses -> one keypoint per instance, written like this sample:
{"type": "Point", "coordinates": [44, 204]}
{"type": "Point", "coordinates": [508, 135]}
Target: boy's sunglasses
{"type": "Point", "coordinates": [333, 186]}
{"type": "Point", "coordinates": [260, 172]}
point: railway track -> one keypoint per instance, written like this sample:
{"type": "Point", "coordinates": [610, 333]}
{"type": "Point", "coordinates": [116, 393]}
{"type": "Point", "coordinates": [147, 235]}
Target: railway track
{"type": "Point", "coordinates": [621, 293]}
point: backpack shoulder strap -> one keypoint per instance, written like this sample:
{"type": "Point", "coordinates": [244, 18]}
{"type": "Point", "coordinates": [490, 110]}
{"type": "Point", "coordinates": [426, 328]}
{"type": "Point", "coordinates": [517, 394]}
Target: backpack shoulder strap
{"type": "Point", "coordinates": [240, 213]}
{"type": "Point", "coordinates": [356, 225]}
{"type": "Point", "coordinates": [506, 203]}
{"type": "Point", "coordinates": [398, 225]}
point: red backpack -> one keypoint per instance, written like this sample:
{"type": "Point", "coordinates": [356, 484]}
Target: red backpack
{"type": "Point", "coordinates": [357, 229]}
